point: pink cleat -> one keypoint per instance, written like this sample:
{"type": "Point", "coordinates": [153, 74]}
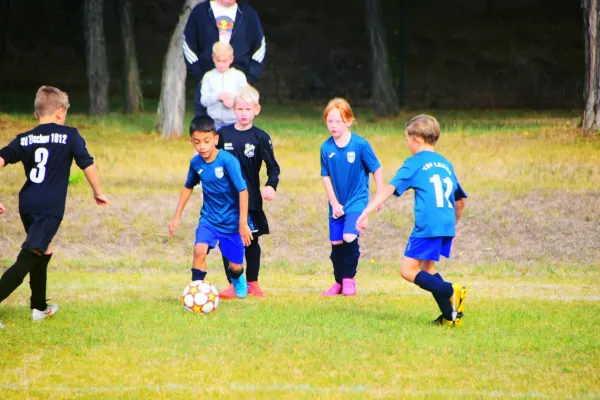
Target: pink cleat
{"type": "Point", "coordinates": [349, 286]}
{"type": "Point", "coordinates": [333, 291]}
{"type": "Point", "coordinates": [255, 290]}
{"type": "Point", "coordinates": [228, 293]}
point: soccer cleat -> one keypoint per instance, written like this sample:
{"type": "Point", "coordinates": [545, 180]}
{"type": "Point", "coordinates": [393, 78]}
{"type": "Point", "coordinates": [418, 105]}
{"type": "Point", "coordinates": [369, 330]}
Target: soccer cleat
{"type": "Point", "coordinates": [441, 321]}
{"type": "Point", "coordinates": [348, 286]}
{"type": "Point", "coordinates": [333, 291]}
{"type": "Point", "coordinates": [255, 290]}
{"type": "Point", "coordinates": [228, 293]}
{"type": "Point", "coordinates": [37, 315]}
{"type": "Point", "coordinates": [458, 300]}
{"type": "Point", "coordinates": [240, 287]}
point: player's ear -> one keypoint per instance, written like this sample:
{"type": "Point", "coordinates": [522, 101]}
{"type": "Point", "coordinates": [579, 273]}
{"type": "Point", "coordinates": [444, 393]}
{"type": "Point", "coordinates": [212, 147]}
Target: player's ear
{"type": "Point", "coordinates": [257, 109]}
{"type": "Point", "coordinates": [36, 116]}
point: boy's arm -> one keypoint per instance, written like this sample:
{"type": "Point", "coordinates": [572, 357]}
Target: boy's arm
{"type": "Point", "coordinates": [245, 231]}
{"type": "Point", "coordinates": [377, 201]}
{"type": "Point", "coordinates": [336, 208]}
{"type": "Point", "coordinates": [184, 196]}
{"type": "Point", "coordinates": [91, 174]}
{"type": "Point", "coordinates": [459, 206]}
{"type": "Point", "coordinates": [378, 176]}
{"type": "Point", "coordinates": [273, 169]}
{"type": "Point", "coordinates": [208, 97]}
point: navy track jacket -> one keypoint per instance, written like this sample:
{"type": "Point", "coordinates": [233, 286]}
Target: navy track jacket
{"type": "Point", "coordinates": [247, 40]}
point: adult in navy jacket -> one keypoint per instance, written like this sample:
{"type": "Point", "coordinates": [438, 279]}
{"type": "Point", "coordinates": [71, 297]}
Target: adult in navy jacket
{"type": "Point", "coordinates": [228, 21]}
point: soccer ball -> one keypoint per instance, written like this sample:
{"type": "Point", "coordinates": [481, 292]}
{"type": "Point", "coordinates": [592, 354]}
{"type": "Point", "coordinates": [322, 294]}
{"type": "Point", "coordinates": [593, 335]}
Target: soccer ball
{"type": "Point", "coordinates": [200, 297]}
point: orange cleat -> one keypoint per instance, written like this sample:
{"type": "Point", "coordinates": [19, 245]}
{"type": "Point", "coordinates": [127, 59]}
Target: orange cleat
{"type": "Point", "coordinates": [228, 293]}
{"type": "Point", "coordinates": [255, 290]}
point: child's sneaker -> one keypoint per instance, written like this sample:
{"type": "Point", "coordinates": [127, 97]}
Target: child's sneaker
{"type": "Point", "coordinates": [458, 300]}
{"type": "Point", "coordinates": [348, 286]}
{"type": "Point", "coordinates": [255, 290]}
{"type": "Point", "coordinates": [37, 315]}
{"type": "Point", "coordinates": [228, 293]}
{"type": "Point", "coordinates": [240, 287]}
{"type": "Point", "coordinates": [445, 322]}
{"type": "Point", "coordinates": [333, 291]}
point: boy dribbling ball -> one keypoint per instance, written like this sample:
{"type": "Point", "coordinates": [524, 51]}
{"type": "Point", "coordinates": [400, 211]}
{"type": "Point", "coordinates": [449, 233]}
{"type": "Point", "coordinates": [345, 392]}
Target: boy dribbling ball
{"type": "Point", "coordinates": [439, 202]}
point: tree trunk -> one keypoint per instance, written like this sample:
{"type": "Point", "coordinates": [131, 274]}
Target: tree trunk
{"type": "Point", "coordinates": [383, 95]}
{"type": "Point", "coordinates": [97, 67]}
{"type": "Point", "coordinates": [134, 100]}
{"type": "Point", "coordinates": [591, 90]}
{"type": "Point", "coordinates": [171, 107]}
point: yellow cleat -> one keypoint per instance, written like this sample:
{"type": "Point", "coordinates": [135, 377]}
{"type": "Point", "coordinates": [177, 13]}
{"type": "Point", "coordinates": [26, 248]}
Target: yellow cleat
{"type": "Point", "coordinates": [458, 299]}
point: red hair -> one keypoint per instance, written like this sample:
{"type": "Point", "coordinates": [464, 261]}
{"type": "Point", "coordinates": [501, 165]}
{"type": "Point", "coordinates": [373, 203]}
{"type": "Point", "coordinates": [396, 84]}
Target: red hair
{"type": "Point", "coordinates": [342, 106]}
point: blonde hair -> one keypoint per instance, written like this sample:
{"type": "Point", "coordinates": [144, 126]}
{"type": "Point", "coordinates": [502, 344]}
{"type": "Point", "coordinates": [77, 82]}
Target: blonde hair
{"type": "Point", "coordinates": [48, 99]}
{"type": "Point", "coordinates": [342, 106]}
{"type": "Point", "coordinates": [249, 95]}
{"type": "Point", "coordinates": [221, 49]}
{"type": "Point", "coordinates": [423, 126]}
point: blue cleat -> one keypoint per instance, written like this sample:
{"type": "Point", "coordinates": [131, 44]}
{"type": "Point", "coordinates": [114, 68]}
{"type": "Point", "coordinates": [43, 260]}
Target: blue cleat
{"type": "Point", "coordinates": [240, 287]}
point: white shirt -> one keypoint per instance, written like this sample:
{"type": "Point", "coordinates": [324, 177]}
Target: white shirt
{"type": "Point", "coordinates": [215, 82]}
{"type": "Point", "coordinates": [225, 17]}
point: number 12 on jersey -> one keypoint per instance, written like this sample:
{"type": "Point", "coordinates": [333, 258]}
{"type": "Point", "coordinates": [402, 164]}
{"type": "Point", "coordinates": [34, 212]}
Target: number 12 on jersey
{"type": "Point", "coordinates": [440, 193]}
{"type": "Point", "coordinates": [38, 173]}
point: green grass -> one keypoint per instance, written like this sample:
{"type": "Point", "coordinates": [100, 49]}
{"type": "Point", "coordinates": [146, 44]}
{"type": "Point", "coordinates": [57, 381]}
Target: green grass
{"type": "Point", "coordinates": [527, 249]}
{"type": "Point", "coordinates": [123, 335]}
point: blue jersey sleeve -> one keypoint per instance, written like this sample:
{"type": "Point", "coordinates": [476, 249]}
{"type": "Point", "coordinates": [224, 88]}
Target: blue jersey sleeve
{"type": "Point", "coordinates": [193, 178]}
{"type": "Point", "coordinates": [234, 170]}
{"type": "Point", "coordinates": [324, 168]}
{"type": "Point", "coordinates": [369, 159]}
{"type": "Point", "coordinates": [12, 152]}
{"type": "Point", "coordinates": [459, 193]}
{"type": "Point", "coordinates": [402, 181]}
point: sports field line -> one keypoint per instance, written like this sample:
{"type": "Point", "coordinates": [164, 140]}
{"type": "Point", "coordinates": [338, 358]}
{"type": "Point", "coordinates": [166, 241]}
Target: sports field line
{"type": "Point", "coordinates": [307, 388]}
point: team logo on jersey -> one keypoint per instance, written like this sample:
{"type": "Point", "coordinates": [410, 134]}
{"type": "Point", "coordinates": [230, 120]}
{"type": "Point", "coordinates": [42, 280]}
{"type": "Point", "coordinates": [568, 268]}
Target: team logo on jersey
{"type": "Point", "coordinates": [351, 156]}
{"type": "Point", "coordinates": [249, 150]}
{"type": "Point", "coordinates": [219, 172]}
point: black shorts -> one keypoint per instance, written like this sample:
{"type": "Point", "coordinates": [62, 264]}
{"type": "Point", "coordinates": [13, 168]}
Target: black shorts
{"type": "Point", "coordinates": [259, 220]}
{"type": "Point", "coordinates": [40, 230]}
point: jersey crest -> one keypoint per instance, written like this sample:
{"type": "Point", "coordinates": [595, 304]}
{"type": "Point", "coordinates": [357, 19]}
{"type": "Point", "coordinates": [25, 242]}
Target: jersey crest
{"type": "Point", "coordinates": [219, 172]}
{"type": "Point", "coordinates": [351, 156]}
{"type": "Point", "coordinates": [249, 150]}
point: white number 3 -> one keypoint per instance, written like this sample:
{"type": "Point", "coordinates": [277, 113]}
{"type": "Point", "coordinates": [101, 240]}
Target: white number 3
{"type": "Point", "coordinates": [440, 194]}
{"type": "Point", "coordinates": [38, 173]}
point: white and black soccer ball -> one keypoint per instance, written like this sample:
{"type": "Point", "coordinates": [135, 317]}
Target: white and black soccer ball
{"type": "Point", "coordinates": [200, 297]}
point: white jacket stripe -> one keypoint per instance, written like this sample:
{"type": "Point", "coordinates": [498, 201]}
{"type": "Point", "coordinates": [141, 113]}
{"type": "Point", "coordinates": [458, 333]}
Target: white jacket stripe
{"type": "Point", "coordinates": [259, 55]}
{"type": "Point", "coordinates": [190, 56]}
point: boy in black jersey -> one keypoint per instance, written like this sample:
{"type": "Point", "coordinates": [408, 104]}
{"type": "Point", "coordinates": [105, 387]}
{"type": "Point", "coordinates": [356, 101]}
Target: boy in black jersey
{"type": "Point", "coordinates": [251, 146]}
{"type": "Point", "coordinates": [47, 153]}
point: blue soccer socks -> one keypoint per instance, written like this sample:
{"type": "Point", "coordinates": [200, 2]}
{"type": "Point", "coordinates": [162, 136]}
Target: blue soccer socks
{"type": "Point", "coordinates": [198, 275]}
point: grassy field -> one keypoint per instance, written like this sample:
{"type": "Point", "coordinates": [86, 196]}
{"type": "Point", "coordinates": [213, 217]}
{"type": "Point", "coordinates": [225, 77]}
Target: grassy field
{"type": "Point", "coordinates": [527, 249]}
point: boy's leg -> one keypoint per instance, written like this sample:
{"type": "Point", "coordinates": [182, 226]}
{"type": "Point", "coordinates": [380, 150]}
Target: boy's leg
{"type": "Point", "coordinates": [38, 278]}
{"type": "Point", "coordinates": [232, 247]}
{"type": "Point", "coordinates": [14, 276]}
{"type": "Point", "coordinates": [206, 238]}
{"type": "Point", "coordinates": [253, 252]}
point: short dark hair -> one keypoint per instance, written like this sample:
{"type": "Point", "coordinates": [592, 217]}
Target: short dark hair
{"type": "Point", "coordinates": [202, 123]}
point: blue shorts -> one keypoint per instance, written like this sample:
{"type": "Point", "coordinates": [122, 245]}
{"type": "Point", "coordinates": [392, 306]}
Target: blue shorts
{"type": "Point", "coordinates": [230, 244]}
{"type": "Point", "coordinates": [40, 230]}
{"type": "Point", "coordinates": [344, 224]}
{"type": "Point", "coordinates": [429, 249]}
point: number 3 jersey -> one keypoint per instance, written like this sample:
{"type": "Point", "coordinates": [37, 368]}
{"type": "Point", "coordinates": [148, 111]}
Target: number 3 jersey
{"type": "Point", "coordinates": [47, 152]}
{"type": "Point", "coordinates": [436, 190]}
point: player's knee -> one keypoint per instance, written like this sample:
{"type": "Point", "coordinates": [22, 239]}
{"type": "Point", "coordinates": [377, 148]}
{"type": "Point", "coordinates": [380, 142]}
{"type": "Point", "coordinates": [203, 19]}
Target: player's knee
{"type": "Point", "coordinates": [200, 253]}
{"type": "Point", "coordinates": [235, 267]}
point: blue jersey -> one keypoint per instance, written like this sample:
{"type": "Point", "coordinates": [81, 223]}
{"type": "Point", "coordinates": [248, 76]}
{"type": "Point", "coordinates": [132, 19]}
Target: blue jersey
{"type": "Point", "coordinates": [436, 190]}
{"type": "Point", "coordinates": [47, 152]}
{"type": "Point", "coordinates": [222, 183]}
{"type": "Point", "coordinates": [349, 168]}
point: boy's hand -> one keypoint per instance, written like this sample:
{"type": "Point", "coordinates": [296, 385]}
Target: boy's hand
{"type": "Point", "coordinates": [268, 193]}
{"type": "Point", "coordinates": [362, 222]}
{"type": "Point", "coordinates": [337, 210]}
{"type": "Point", "coordinates": [101, 199]}
{"type": "Point", "coordinates": [228, 102]}
{"type": "Point", "coordinates": [379, 207]}
{"type": "Point", "coordinates": [2, 208]}
{"type": "Point", "coordinates": [173, 226]}
{"type": "Point", "coordinates": [246, 234]}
